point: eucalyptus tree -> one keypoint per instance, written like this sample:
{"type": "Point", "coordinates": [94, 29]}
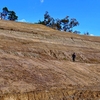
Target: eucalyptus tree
{"type": "Point", "coordinates": [12, 16]}
{"type": "Point", "coordinates": [4, 13]}
{"type": "Point", "coordinates": [7, 14]}
{"type": "Point", "coordinates": [65, 24]}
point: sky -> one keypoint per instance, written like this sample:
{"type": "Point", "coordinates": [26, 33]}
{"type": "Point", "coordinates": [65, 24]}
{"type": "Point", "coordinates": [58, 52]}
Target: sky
{"type": "Point", "coordinates": [87, 12]}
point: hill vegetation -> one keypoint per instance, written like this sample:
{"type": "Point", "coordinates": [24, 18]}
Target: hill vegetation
{"type": "Point", "coordinates": [66, 24]}
{"type": "Point", "coordinates": [36, 63]}
{"type": "Point", "coordinates": [8, 14]}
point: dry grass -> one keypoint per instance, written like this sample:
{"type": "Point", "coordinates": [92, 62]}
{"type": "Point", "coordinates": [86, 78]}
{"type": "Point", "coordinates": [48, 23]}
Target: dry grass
{"type": "Point", "coordinates": [36, 57]}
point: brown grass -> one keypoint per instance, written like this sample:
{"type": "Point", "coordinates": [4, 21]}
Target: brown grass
{"type": "Point", "coordinates": [34, 57]}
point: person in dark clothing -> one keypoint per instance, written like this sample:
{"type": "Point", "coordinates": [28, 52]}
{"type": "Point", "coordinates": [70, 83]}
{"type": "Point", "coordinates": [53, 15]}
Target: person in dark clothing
{"type": "Point", "coordinates": [73, 57]}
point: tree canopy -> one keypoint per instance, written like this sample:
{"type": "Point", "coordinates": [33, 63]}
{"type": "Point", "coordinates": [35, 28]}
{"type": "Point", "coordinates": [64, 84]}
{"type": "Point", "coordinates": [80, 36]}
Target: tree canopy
{"type": "Point", "coordinates": [65, 24]}
{"type": "Point", "coordinates": [9, 15]}
{"type": "Point", "coordinates": [12, 16]}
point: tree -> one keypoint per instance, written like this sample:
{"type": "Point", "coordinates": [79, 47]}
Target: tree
{"type": "Point", "coordinates": [77, 32]}
{"type": "Point", "coordinates": [48, 20]}
{"type": "Point", "coordinates": [58, 24]}
{"type": "Point", "coordinates": [87, 33]}
{"type": "Point", "coordinates": [68, 24]}
{"type": "Point", "coordinates": [64, 24]}
{"type": "Point", "coordinates": [4, 12]}
{"type": "Point", "coordinates": [41, 22]}
{"type": "Point", "coordinates": [12, 16]}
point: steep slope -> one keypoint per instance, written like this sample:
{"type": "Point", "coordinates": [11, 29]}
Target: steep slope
{"type": "Point", "coordinates": [36, 64]}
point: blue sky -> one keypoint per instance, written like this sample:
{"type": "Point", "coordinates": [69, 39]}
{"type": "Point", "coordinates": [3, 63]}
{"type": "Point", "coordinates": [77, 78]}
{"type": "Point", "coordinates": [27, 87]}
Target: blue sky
{"type": "Point", "coordinates": [87, 12]}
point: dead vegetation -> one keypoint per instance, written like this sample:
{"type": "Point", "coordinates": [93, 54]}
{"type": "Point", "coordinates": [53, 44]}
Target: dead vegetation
{"type": "Point", "coordinates": [34, 57]}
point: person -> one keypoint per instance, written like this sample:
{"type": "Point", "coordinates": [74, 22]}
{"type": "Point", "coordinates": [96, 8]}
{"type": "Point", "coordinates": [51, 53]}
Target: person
{"type": "Point", "coordinates": [73, 57]}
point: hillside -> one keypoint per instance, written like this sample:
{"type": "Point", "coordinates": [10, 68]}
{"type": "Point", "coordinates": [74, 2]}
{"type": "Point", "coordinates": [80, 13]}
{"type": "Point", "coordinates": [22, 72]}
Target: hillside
{"type": "Point", "coordinates": [36, 64]}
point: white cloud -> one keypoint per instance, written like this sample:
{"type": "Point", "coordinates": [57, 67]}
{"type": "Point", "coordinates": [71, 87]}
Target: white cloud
{"type": "Point", "coordinates": [22, 20]}
{"type": "Point", "coordinates": [91, 35]}
{"type": "Point", "coordinates": [41, 1]}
